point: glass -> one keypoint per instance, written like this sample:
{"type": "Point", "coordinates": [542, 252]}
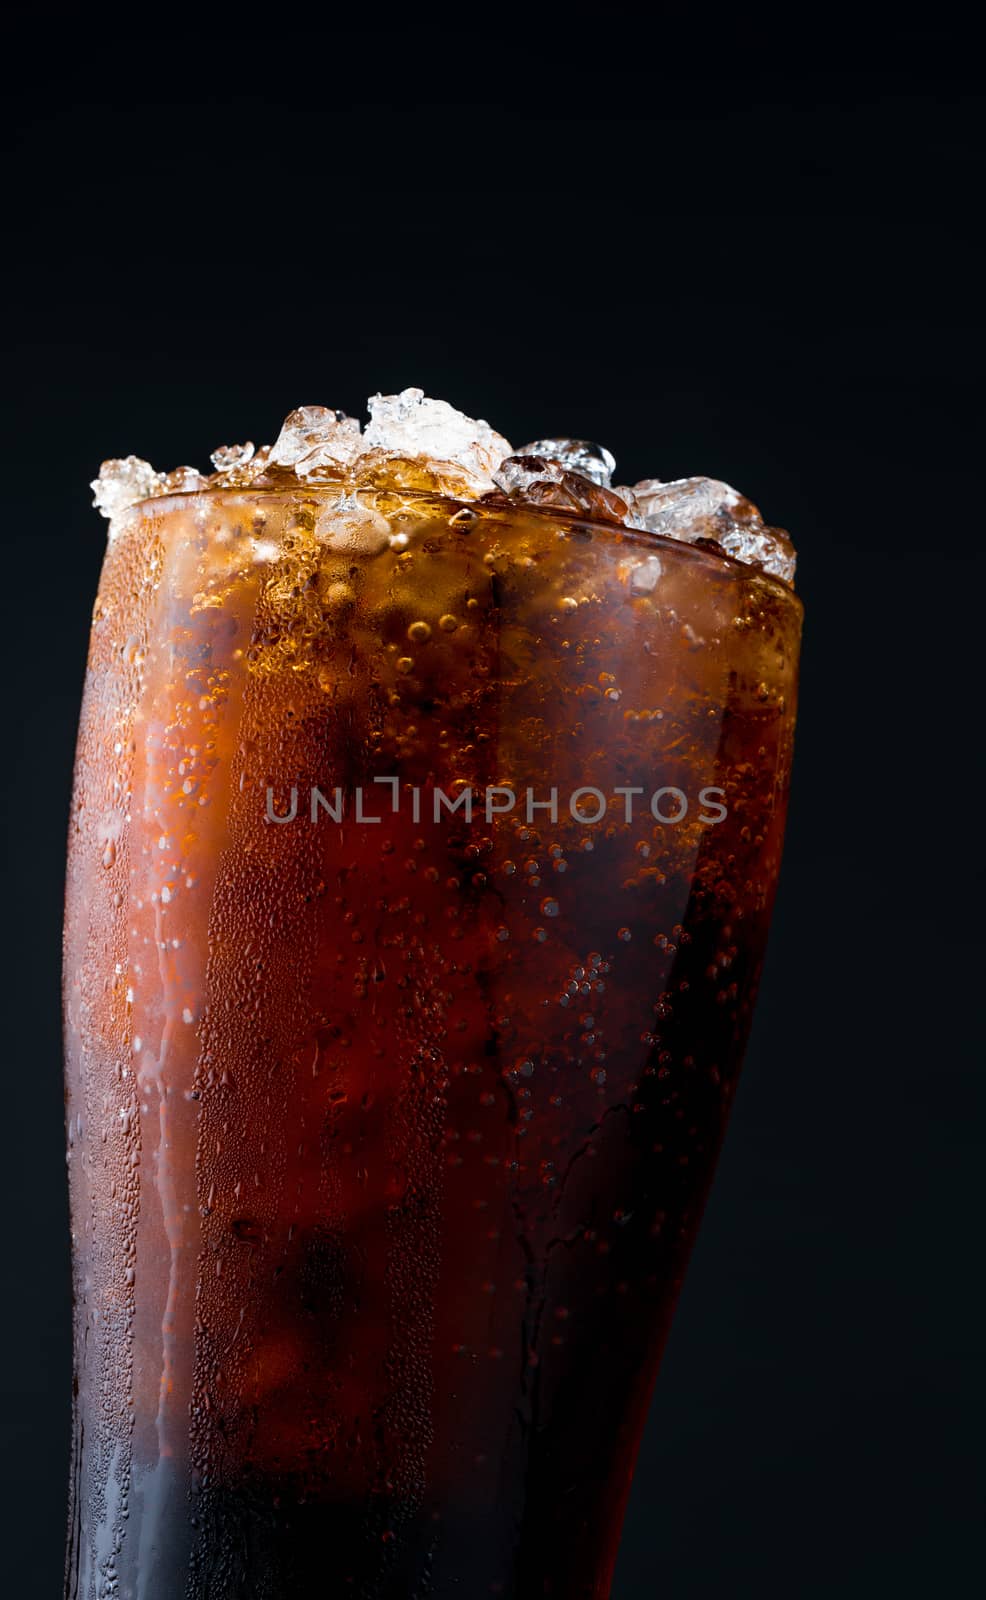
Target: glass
{"type": "Point", "coordinates": [422, 859]}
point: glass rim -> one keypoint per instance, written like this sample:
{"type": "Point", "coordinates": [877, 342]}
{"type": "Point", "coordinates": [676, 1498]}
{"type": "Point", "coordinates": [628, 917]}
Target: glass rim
{"type": "Point", "coordinates": [640, 537]}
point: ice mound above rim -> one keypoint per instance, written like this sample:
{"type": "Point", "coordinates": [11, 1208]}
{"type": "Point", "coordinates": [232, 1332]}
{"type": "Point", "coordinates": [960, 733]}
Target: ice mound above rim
{"type": "Point", "coordinates": [412, 441]}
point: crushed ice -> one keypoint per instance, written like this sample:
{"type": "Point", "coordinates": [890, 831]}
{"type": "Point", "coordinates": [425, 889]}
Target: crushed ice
{"type": "Point", "coordinates": [123, 481]}
{"type": "Point", "coordinates": [703, 508]}
{"type": "Point", "coordinates": [590, 461]}
{"type": "Point", "coordinates": [230, 456]}
{"type": "Point", "coordinates": [468, 459]}
{"type": "Point", "coordinates": [315, 436]}
{"type": "Point", "coordinates": [409, 424]}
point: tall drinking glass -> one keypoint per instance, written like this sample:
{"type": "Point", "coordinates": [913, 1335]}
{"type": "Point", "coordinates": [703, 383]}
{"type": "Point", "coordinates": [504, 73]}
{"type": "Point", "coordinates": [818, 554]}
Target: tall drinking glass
{"type": "Point", "coordinates": [422, 860]}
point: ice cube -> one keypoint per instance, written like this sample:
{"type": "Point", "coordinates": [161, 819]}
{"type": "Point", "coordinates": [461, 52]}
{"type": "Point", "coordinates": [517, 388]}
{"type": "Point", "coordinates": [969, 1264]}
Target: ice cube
{"type": "Point", "coordinates": [230, 456]}
{"type": "Point", "coordinates": [704, 508]}
{"type": "Point", "coordinates": [121, 483]}
{"type": "Point", "coordinates": [182, 480]}
{"type": "Point", "coordinates": [541, 481]}
{"type": "Point", "coordinates": [315, 436]}
{"type": "Point", "coordinates": [634, 516]}
{"type": "Point", "coordinates": [516, 474]}
{"type": "Point", "coordinates": [409, 424]}
{"type": "Point", "coordinates": [691, 508]}
{"type": "Point", "coordinates": [351, 528]}
{"type": "Point", "coordinates": [644, 578]}
{"type": "Point", "coordinates": [770, 548]}
{"type": "Point", "coordinates": [589, 460]}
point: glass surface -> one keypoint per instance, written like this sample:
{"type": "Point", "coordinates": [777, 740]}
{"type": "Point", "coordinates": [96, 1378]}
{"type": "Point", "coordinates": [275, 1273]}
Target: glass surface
{"type": "Point", "coordinates": [422, 859]}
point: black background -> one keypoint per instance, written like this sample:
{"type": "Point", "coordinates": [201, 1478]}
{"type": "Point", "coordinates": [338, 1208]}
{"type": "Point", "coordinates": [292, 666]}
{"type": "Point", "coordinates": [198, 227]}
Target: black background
{"type": "Point", "coordinates": [742, 250]}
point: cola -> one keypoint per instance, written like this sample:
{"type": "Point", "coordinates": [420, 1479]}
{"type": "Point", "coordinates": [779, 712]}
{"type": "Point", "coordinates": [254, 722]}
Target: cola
{"type": "Point", "coordinates": [422, 856]}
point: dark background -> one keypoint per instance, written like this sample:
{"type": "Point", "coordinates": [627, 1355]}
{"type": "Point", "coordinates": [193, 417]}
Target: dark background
{"type": "Point", "coordinates": [746, 251]}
